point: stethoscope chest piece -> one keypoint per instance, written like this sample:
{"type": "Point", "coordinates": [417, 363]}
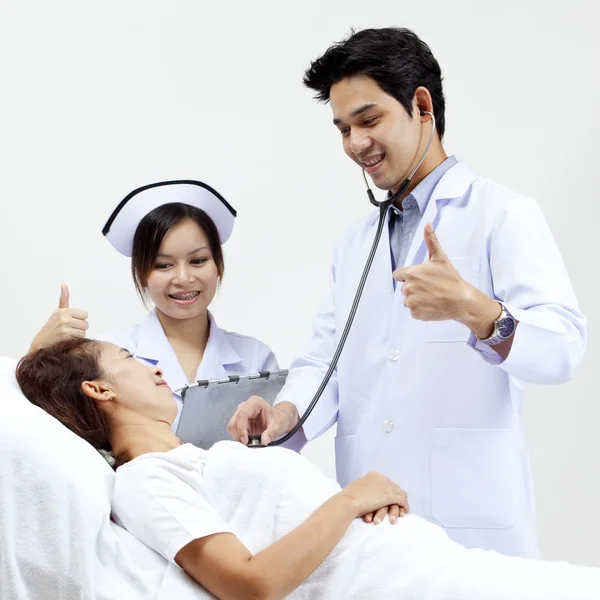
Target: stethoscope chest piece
{"type": "Point", "coordinates": [254, 441]}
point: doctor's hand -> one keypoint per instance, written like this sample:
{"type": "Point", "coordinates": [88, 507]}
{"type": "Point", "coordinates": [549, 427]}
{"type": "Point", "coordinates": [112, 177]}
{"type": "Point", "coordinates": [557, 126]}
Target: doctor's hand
{"type": "Point", "coordinates": [64, 322]}
{"type": "Point", "coordinates": [374, 496]}
{"type": "Point", "coordinates": [257, 416]}
{"type": "Point", "coordinates": [434, 291]}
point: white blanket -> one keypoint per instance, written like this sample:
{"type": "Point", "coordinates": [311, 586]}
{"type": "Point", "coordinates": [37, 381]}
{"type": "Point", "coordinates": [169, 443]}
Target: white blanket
{"type": "Point", "coordinates": [265, 493]}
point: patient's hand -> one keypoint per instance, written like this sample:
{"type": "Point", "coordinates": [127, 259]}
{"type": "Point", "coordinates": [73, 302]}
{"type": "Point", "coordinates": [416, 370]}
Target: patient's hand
{"type": "Point", "coordinates": [64, 322]}
{"type": "Point", "coordinates": [257, 416]}
{"type": "Point", "coordinates": [393, 512]}
{"type": "Point", "coordinates": [375, 496]}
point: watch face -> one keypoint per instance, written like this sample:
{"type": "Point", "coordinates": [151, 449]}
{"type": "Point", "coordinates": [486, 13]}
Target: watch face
{"type": "Point", "coordinates": [506, 327]}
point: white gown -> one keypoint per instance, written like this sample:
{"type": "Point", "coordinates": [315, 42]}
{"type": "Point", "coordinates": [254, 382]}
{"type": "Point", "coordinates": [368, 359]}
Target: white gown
{"type": "Point", "coordinates": [262, 494]}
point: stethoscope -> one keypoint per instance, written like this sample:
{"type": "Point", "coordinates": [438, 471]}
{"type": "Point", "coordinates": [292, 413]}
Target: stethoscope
{"type": "Point", "coordinates": [254, 439]}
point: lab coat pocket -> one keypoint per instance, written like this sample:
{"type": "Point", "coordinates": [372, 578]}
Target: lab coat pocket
{"type": "Point", "coordinates": [346, 454]}
{"type": "Point", "coordinates": [476, 478]}
{"type": "Point", "coordinates": [468, 268]}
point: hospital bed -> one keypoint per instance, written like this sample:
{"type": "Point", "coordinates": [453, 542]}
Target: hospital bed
{"type": "Point", "coordinates": [58, 542]}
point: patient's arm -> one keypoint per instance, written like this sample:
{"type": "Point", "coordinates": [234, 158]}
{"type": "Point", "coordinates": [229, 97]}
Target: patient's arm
{"type": "Point", "coordinates": [227, 569]}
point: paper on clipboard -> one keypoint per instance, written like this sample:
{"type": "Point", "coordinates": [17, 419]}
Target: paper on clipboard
{"type": "Point", "coordinates": [209, 405]}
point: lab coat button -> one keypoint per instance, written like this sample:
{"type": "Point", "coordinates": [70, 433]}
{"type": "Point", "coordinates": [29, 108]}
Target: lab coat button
{"type": "Point", "coordinates": [388, 426]}
{"type": "Point", "coordinates": [394, 354]}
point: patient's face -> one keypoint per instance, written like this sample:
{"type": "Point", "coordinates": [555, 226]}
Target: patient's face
{"type": "Point", "coordinates": [139, 387]}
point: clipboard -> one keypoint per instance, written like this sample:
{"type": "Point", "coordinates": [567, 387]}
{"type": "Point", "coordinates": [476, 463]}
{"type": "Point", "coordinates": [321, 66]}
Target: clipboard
{"type": "Point", "coordinates": [208, 405]}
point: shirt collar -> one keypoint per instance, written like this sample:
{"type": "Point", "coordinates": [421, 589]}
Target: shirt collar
{"type": "Point", "coordinates": [154, 345]}
{"type": "Point", "coordinates": [423, 191]}
{"type": "Point", "coordinates": [219, 347]}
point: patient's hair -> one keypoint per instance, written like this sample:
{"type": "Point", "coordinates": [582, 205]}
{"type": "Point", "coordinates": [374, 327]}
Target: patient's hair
{"type": "Point", "coordinates": [51, 378]}
{"type": "Point", "coordinates": [151, 232]}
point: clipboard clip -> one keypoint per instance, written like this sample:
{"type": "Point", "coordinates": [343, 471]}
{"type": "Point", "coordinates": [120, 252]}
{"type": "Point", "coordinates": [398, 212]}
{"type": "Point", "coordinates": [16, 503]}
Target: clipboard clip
{"type": "Point", "coordinates": [230, 379]}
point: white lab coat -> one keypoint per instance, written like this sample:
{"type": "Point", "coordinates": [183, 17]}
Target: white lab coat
{"type": "Point", "coordinates": [414, 400]}
{"type": "Point", "coordinates": [226, 353]}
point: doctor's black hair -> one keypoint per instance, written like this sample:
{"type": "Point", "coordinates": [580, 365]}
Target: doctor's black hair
{"type": "Point", "coordinates": [394, 57]}
{"type": "Point", "coordinates": [151, 232]}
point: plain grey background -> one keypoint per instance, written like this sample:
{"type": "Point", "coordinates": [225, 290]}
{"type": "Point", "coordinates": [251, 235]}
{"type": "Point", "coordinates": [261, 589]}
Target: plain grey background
{"type": "Point", "coordinates": [97, 98]}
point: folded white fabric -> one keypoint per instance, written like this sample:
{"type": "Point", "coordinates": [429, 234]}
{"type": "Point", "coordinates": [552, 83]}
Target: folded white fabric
{"type": "Point", "coordinates": [264, 494]}
{"type": "Point", "coordinates": [56, 537]}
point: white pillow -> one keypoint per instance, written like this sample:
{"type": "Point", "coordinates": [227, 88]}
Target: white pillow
{"type": "Point", "coordinates": [56, 537]}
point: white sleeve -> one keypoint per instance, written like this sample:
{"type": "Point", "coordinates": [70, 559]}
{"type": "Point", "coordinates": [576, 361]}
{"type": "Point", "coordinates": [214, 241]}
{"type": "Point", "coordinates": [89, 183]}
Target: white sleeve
{"type": "Point", "coordinates": [308, 370]}
{"type": "Point", "coordinates": [161, 509]}
{"type": "Point", "coordinates": [268, 360]}
{"type": "Point", "coordinates": [530, 278]}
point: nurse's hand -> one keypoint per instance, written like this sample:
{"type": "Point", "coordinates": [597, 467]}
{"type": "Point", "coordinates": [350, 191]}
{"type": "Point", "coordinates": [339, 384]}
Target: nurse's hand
{"type": "Point", "coordinates": [375, 496]}
{"type": "Point", "coordinates": [64, 322]}
{"type": "Point", "coordinates": [257, 416]}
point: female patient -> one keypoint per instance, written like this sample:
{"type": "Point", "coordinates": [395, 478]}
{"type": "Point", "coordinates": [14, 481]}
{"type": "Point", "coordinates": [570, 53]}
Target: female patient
{"type": "Point", "coordinates": [264, 523]}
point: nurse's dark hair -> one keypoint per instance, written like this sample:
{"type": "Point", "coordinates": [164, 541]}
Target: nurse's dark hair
{"type": "Point", "coordinates": [151, 232]}
{"type": "Point", "coordinates": [396, 58]}
{"type": "Point", "coordinates": [51, 378]}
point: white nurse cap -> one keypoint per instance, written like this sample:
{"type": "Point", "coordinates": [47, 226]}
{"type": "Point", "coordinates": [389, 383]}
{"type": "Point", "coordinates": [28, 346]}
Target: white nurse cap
{"type": "Point", "coordinates": [123, 222]}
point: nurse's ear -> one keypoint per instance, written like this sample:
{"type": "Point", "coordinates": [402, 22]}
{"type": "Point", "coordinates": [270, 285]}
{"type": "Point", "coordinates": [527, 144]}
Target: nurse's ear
{"type": "Point", "coordinates": [98, 391]}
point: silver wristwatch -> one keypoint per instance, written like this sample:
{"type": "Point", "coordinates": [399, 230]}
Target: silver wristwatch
{"type": "Point", "coordinates": [504, 328]}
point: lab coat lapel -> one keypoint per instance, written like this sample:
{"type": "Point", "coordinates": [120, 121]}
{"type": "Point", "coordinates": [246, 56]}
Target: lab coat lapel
{"type": "Point", "coordinates": [154, 348]}
{"type": "Point", "coordinates": [219, 353]}
{"type": "Point", "coordinates": [452, 185]}
{"type": "Point", "coordinates": [402, 324]}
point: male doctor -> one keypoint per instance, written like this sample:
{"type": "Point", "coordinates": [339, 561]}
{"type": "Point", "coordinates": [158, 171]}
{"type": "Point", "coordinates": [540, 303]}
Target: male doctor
{"type": "Point", "coordinates": [467, 300]}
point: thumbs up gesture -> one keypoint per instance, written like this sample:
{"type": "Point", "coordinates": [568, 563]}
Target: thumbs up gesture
{"type": "Point", "coordinates": [434, 291]}
{"type": "Point", "coordinates": [64, 322]}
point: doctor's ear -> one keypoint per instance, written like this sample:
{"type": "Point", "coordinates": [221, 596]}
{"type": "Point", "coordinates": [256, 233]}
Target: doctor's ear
{"type": "Point", "coordinates": [97, 391]}
{"type": "Point", "coordinates": [422, 101]}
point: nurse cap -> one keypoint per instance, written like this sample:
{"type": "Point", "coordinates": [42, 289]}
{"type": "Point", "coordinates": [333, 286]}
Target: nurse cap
{"type": "Point", "coordinates": [123, 222]}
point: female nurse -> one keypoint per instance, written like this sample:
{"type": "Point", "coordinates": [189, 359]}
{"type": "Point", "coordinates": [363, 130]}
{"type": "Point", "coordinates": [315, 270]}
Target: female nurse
{"type": "Point", "coordinates": [173, 231]}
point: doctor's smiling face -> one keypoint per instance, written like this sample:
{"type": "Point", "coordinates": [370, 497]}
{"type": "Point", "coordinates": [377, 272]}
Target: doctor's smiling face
{"type": "Point", "coordinates": [377, 81]}
{"type": "Point", "coordinates": [377, 132]}
{"type": "Point", "coordinates": [177, 260]}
